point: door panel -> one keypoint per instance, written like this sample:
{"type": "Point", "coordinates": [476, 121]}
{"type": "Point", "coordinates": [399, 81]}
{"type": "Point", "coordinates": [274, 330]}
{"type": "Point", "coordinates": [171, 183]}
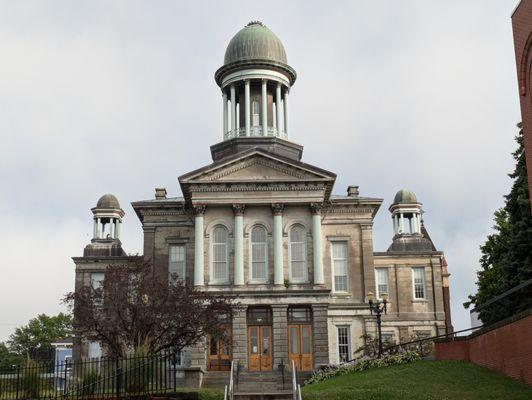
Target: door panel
{"type": "Point", "coordinates": [220, 352]}
{"type": "Point", "coordinates": [300, 346]}
{"type": "Point", "coordinates": [259, 348]}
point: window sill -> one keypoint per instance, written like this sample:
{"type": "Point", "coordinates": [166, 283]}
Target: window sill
{"type": "Point", "coordinates": [258, 282]}
{"type": "Point", "coordinates": [224, 283]}
{"type": "Point", "coordinates": [420, 301]}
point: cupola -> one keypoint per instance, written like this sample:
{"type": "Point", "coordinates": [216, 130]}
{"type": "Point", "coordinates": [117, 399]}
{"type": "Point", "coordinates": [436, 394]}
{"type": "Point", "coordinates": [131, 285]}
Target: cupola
{"type": "Point", "coordinates": [255, 80]}
{"type": "Point", "coordinates": [406, 213]}
{"type": "Point", "coordinates": [107, 218]}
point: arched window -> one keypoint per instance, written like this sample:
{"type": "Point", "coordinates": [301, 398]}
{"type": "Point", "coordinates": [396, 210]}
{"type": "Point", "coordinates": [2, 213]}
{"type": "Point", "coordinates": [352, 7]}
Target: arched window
{"type": "Point", "coordinates": [259, 255]}
{"type": "Point", "coordinates": [297, 254]}
{"type": "Point", "coordinates": [219, 255]}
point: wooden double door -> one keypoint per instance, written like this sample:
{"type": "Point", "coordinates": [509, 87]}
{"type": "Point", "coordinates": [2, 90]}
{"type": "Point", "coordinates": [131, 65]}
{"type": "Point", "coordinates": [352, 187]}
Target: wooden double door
{"type": "Point", "coordinates": [220, 351]}
{"type": "Point", "coordinates": [300, 346]}
{"type": "Point", "coordinates": [260, 348]}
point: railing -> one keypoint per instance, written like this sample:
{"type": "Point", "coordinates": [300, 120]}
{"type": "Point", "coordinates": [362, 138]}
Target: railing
{"type": "Point", "coordinates": [96, 378]}
{"type": "Point", "coordinates": [229, 390]}
{"type": "Point", "coordinates": [255, 131]}
{"type": "Point", "coordinates": [418, 343]}
{"type": "Point", "coordinates": [296, 388]}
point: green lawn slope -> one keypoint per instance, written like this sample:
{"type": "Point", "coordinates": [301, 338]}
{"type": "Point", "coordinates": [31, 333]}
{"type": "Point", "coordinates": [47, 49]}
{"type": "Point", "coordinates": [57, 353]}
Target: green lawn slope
{"type": "Point", "coordinates": [423, 380]}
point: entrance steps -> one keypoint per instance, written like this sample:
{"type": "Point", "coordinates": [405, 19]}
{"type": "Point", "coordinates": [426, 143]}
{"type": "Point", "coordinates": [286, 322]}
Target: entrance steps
{"type": "Point", "coordinates": [215, 379]}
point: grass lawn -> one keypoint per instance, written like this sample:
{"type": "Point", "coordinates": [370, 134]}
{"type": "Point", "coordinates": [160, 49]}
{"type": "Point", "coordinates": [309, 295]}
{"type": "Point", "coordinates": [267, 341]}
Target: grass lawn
{"type": "Point", "coordinates": [423, 380]}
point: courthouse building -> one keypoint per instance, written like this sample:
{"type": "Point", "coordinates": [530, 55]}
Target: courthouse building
{"type": "Point", "coordinates": [260, 223]}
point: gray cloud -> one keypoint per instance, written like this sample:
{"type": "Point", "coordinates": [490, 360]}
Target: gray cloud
{"type": "Point", "coordinates": [119, 97]}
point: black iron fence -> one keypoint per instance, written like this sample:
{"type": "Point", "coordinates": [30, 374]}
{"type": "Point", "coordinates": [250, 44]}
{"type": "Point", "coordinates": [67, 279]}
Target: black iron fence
{"type": "Point", "coordinates": [132, 376]}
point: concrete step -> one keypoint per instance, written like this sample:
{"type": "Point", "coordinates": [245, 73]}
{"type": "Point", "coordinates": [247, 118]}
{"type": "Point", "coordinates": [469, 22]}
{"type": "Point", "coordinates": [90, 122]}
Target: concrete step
{"type": "Point", "coordinates": [276, 395]}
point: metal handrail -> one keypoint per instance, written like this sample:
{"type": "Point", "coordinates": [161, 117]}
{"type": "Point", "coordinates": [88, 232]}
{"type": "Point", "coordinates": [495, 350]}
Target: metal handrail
{"type": "Point", "coordinates": [296, 388]}
{"type": "Point", "coordinates": [231, 382]}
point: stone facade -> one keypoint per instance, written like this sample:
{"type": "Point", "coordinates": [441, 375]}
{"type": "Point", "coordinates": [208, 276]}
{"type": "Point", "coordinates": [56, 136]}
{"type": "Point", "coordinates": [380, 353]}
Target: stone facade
{"type": "Point", "coordinates": [261, 224]}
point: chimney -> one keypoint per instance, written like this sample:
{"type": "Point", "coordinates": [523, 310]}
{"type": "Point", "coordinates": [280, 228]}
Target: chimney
{"type": "Point", "coordinates": [160, 193]}
{"type": "Point", "coordinates": [352, 191]}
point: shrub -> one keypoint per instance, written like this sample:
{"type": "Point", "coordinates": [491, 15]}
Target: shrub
{"type": "Point", "coordinates": [362, 364]}
{"type": "Point", "coordinates": [89, 382]}
{"type": "Point", "coordinates": [31, 379]}
{"type": "Point", "coordinates": [138, 369]}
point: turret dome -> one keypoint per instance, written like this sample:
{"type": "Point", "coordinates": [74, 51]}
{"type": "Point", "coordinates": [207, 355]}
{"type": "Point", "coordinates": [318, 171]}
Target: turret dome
{"type": "Point", "coordinates": [108, 201]}
{"type": "Point", "coordinates": [405, 196]}
{"type": "Point", "coordinates": [255, 42]}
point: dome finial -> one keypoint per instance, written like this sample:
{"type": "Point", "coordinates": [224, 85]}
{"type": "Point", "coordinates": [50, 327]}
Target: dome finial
{"type": "Point", "coordinates": [255, 22]}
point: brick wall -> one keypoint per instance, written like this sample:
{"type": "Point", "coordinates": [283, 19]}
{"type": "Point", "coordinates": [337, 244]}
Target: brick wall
{"type": "Point", "coordinates": [504, 347]}
{"type": "Point", "coordinates": [522, 28]}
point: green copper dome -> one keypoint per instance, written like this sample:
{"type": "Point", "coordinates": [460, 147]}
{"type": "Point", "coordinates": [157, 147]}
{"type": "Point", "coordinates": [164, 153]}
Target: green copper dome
{"type": "Point", "coordinates": [405, 196]}
{"type": "Point", "coordinates": [255, 42]}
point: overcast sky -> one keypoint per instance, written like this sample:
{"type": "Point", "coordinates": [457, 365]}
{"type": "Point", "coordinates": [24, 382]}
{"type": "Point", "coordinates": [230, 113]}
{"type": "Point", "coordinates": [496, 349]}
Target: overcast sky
{"type": "Point", "coordinates": [119, 96]}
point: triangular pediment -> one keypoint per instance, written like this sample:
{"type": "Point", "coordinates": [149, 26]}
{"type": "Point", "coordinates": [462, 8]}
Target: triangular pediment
{"type": "Point", "coordinates": [257, 167]}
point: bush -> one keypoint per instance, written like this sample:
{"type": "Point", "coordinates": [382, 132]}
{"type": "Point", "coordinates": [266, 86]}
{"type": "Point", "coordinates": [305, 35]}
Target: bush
{"type": "Point", "coordinates": [89, 382]}
{"type": "Point", "coordinates": [362, 364]}
{"type": "Point", "coordinates": [138, 370]}
{"type": "Point", "coordinates": [31, 379]}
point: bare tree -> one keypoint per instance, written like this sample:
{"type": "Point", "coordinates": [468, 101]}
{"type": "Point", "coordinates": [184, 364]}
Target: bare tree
{"type": "Point", "coordinates": [135, 308]}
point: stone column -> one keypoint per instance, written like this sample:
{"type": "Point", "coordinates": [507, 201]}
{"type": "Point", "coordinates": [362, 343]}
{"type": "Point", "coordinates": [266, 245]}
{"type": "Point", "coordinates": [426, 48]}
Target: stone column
{"type": "Point", "coordinates": [224, 117]}
{"type": "Point", "coordinates": [238, 210]}
{"type": "Point", "coordinates": [264, 109]}
{"type": "Point", "coordinates": [247, 110]}
{"type": "Point", "coordinates": [395, 225]}
{"type": "Point", "coordinates": [278, 273]}
{"type": "Point", "coordinates": [280, 336]}
{"type": "Point", "coordinates": [111, 226]}
{"type": "Point", "coordinates": [199, 252]}
{"type": "Point", "coordinates": [99, 230]}
{"type": "Point", "coordinates": [118, 223]}
{"type": "Point", "coordinates": [320, 339]}
{"type": "Point", "coordinates": [401, 223]}
{"type": "Point", "coordinates": [316, 243]}
{"type": "Point", "coordinates": [286, 112]}
{"type": "Point", "coordinates": [233, 110]}
{"type": "Point", "coordinates": [95, 229]}
{"type": "Point", "coordinates": [240, 336]}
{"type": "Point", "coordinates": [278, 107]}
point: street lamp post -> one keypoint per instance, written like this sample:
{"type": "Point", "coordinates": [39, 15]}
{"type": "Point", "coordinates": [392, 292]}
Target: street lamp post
{"type": "Point", "coordinates": [377, 307]}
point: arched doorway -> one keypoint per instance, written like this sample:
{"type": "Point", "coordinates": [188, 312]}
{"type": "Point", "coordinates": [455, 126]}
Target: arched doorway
{"type": "Point", "coordinates": [259, 338]}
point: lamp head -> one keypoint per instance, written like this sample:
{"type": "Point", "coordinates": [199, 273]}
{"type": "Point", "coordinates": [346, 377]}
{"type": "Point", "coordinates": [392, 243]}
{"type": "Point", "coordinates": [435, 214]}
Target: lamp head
{"type": "Point", "coordinates": [384, 296]}
{"type": "Point", "coordinates": [370, 296]}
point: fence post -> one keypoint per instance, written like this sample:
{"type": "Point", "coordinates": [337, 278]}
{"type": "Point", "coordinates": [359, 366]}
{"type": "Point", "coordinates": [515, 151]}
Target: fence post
{"type": "Point", "coordinates": [18, 381]}
{"type": "Point", "coordinates": [118, 381]}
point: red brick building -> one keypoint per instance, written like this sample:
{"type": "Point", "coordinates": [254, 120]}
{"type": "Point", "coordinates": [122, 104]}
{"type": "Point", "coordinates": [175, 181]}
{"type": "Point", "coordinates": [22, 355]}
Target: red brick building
{"type": "Point", "coordinates": [522, 28]}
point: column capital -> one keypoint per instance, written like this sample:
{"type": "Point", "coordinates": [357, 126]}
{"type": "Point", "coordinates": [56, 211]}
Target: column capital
{"type": "Point", "coordinates": [199, 209]}
{"type": "Point", "coordinates": [277, 208]}
{"type": "Point", "coordinates": [238, 209]}
{"type": "Point", "coordinates": [315, 208]}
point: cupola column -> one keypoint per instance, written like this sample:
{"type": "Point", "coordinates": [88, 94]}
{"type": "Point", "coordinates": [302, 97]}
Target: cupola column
{"type": "Point", "coordinates": [278, 108]}
{"type": "Point", "coordinates": [247, 111]}
{"type": "Point", "coordinates": [117, 234]}
{"type": "Point", "coordinates": [225, 109]}
{"type": "Point", "coordinates": [238, 210]}
{"type": "Point", "coordinates": [278, 273]}
{"type": "Point", "coordinates": [95, 228]}
{"type": "Point", "coordinates": [233, 110]}
{"type": "Point", "coordinates": [99, 230]}
{"type": "Point", "coordinates": [401, 223]}
{"type": "Point", "coordinates": [317, 244]}
{"type": "Point", "coordinates": [264, 108]}
{"type": "Point", "coordinates": [199, 250]}
{"type": "Point", "coordinates": [285, 103]}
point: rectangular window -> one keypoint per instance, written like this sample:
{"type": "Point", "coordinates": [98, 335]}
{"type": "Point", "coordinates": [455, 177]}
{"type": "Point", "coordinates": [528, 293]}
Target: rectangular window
{"type": "Point", "coordinates": [418, 282]}
{"type": "Point", "coordinates": [97, 287]}
{"type": "Point", "coordinates": [176, 262]}
{"type": "Point", "coordinates": [344, 344]}
{"type": "Point", "coordinates": [381, 281]}
{"type": "Point", "coordinates": [339, 261]}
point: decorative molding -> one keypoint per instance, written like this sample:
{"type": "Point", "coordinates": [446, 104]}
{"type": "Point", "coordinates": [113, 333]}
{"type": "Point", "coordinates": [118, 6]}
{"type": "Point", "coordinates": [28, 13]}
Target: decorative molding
{"type": "Point", "coordinates": [315, 208]}
{"type": "Point", "coordinates": [162, 213]}
{"type": "Point", "coordinates": [238, 209]}
{"type": "Point", "coordinates": [199, 209]}
{"type": "Point", "coordinates": [238, 166]}
{"type": "Point", "coordinates": [277, 208]}
{"type": "Point", "coordinates": [257, 187]}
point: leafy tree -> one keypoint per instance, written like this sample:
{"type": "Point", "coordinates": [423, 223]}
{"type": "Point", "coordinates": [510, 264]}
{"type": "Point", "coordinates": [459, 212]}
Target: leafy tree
{"type": "Point", "coordinates": [35, 339]}
{"type": "Point", "coordinates": [135, 308]}
{"type": "Point", "coordinates": [506, 259]}
{"type": "Point", "coordinates": [8, 358]}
